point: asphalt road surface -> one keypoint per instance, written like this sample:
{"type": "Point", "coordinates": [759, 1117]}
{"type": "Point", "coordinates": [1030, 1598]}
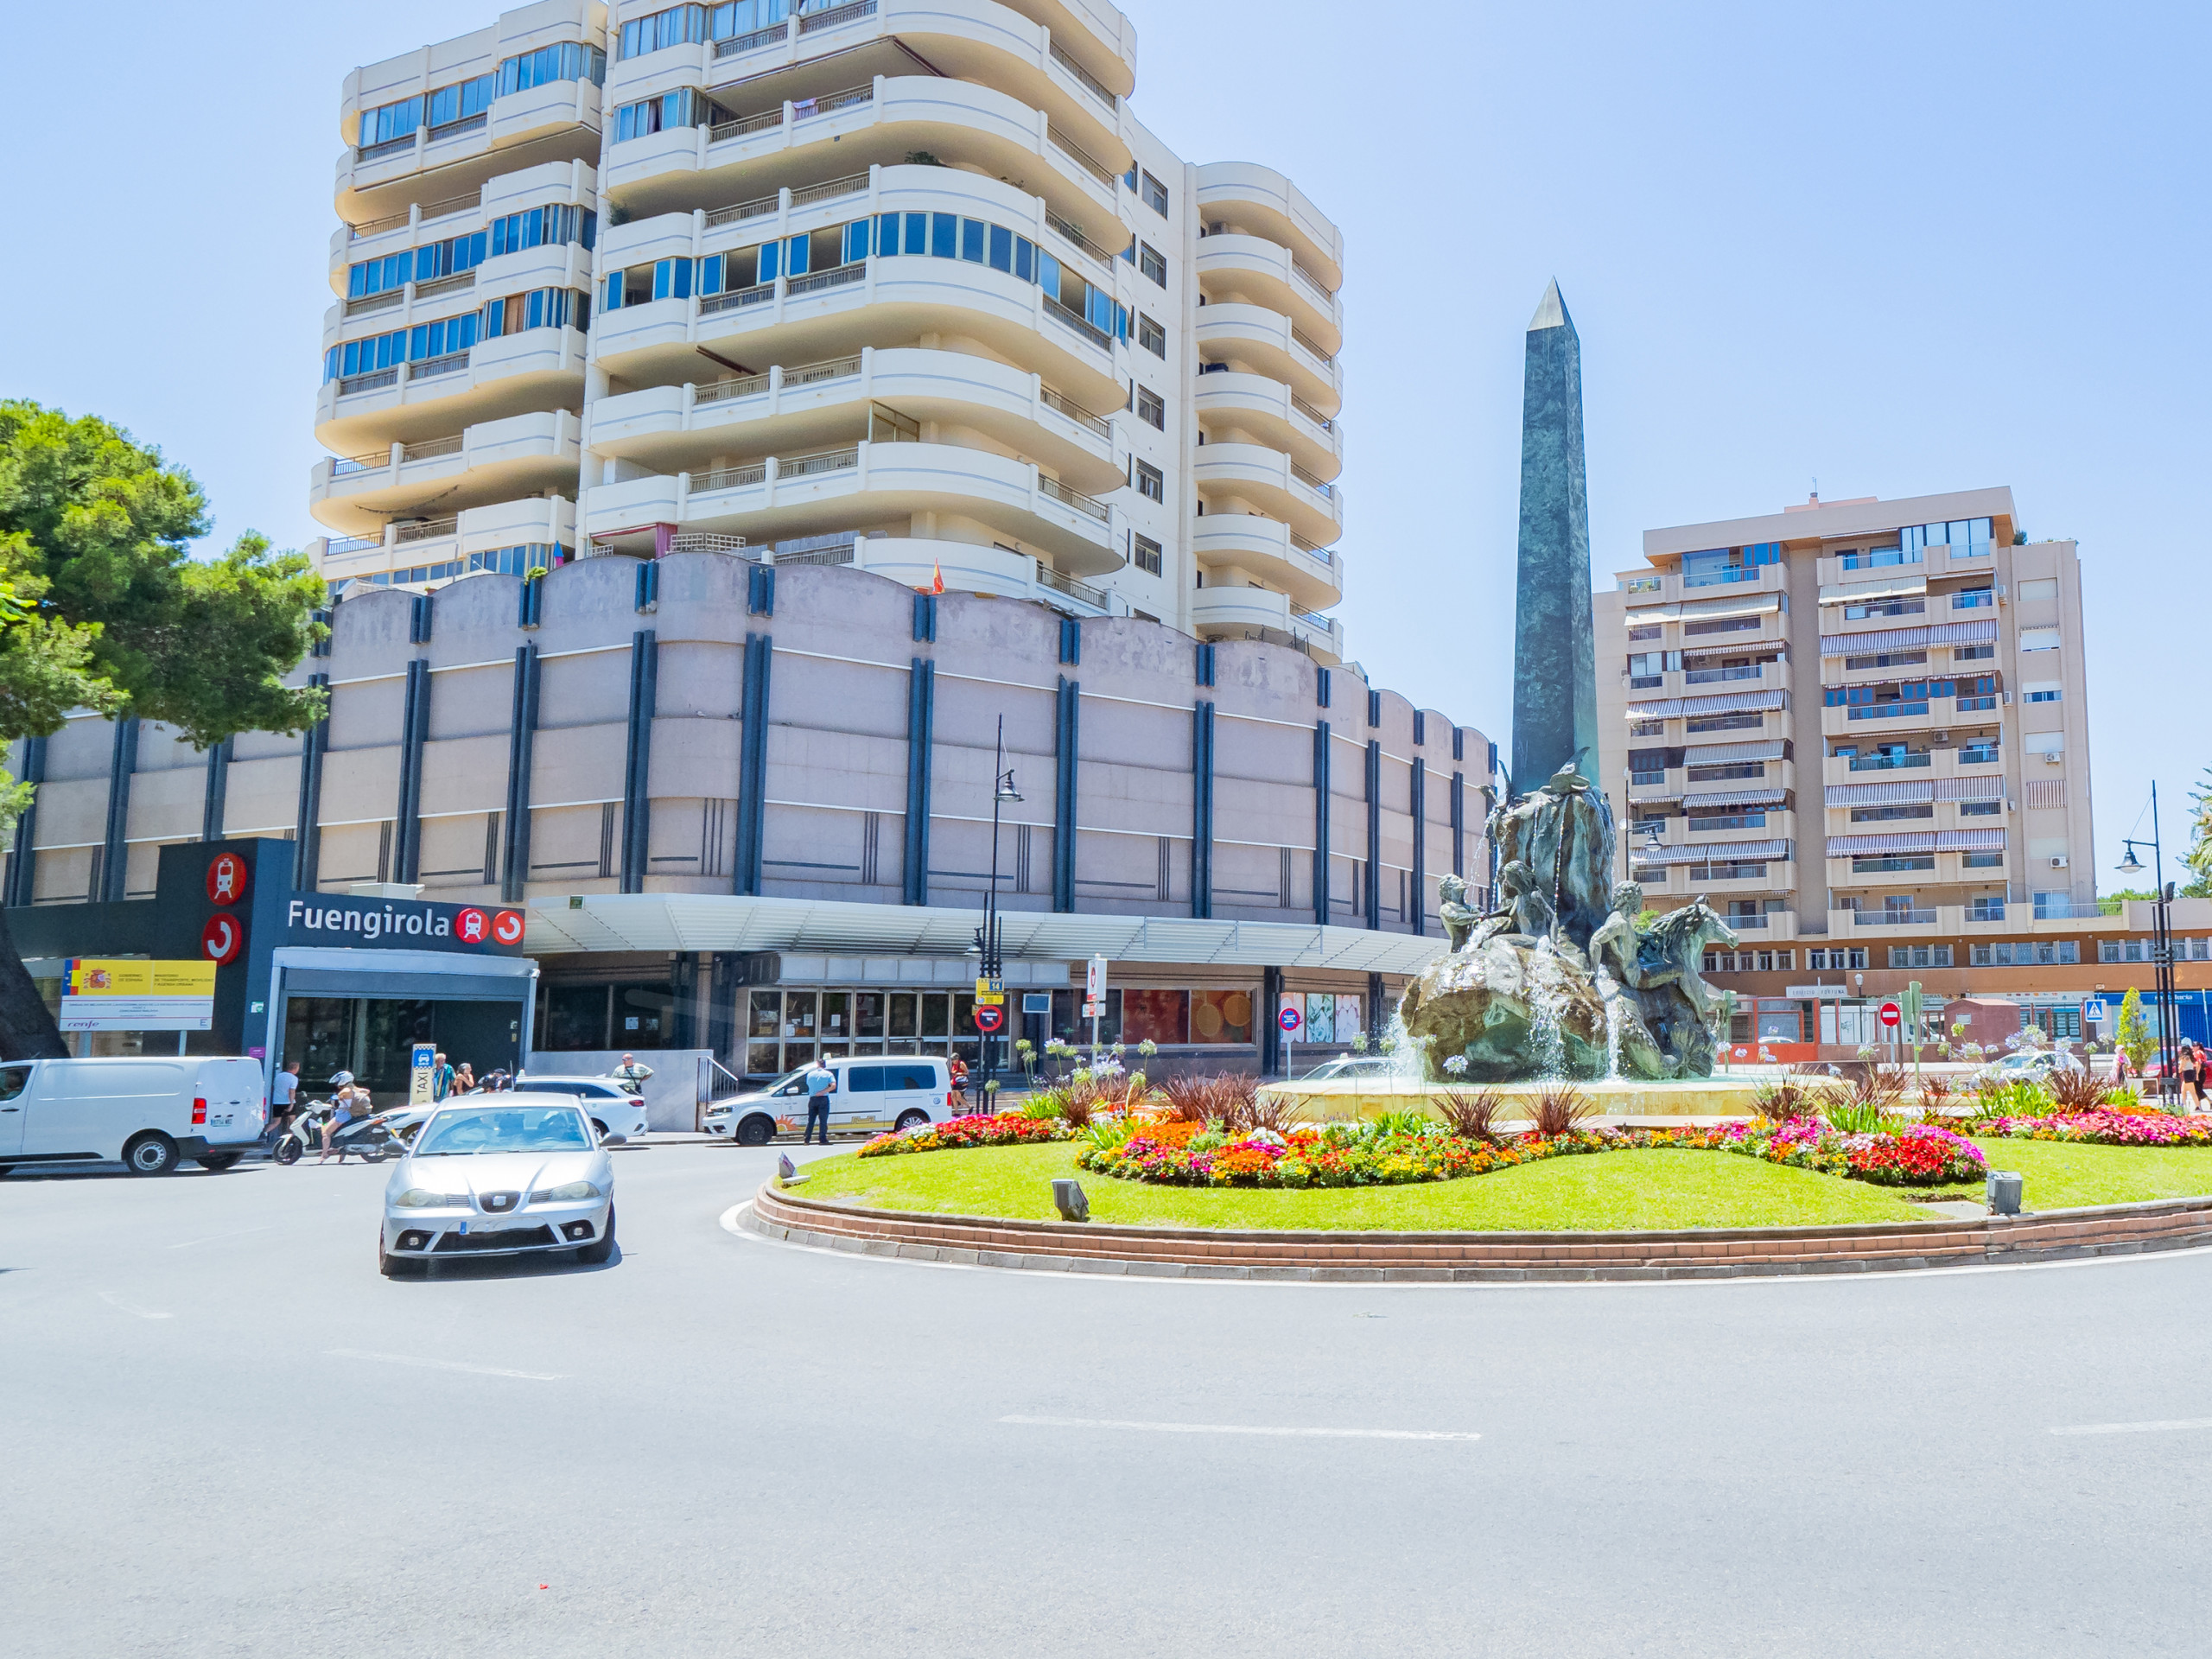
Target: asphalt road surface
{"type": "Point", "coordinates": [227, 1434]}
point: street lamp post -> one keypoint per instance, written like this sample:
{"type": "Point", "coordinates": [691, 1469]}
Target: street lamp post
{"type": "Point", "coordinates": [986, 936]}
{"type": "Point", "coordinates": [2162, 946]}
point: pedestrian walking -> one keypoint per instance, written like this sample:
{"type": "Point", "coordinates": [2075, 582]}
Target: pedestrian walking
{"type": "Point", "coordinates": [821, 1084]}
{"type": "Point", "coordinates": [958, 1073]}
{"type": "Point", "coordinates": [2191, 1067]}
{"type": "Point", "coordinates": [284, 1101]}
{"type": "Point", "coordinates": [441, 1078]}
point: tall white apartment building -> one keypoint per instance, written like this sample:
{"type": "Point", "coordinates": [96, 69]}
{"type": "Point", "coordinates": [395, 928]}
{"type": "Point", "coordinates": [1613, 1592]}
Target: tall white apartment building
{"type": "Point", "coordinates": [900, 286]}
{"type": "Point", "coordinates": [1861, 729]}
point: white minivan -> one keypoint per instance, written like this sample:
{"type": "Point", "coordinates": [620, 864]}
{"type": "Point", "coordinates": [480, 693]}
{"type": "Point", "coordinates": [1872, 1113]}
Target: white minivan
{"type": "Point", "coordinates": [891, 1091]}
{"type": "Point", "coordinates": [148, 1113]}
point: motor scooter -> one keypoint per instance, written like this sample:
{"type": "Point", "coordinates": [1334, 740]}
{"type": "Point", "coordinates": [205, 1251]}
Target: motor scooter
{"type": "Point", "coordinates": [372, 1137]}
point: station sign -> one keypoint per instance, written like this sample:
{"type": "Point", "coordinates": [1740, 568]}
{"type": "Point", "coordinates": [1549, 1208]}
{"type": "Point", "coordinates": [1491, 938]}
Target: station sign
{"type": "Point", "coordinates": [348, 922]}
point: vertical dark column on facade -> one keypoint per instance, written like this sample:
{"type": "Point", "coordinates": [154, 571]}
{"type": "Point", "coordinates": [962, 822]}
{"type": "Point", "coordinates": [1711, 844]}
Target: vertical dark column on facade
{"type": "Point", "coordinates": [1458, 823]}
{"type": "Point", "coordinates": [1270, 1033]}
{"type": "Point", "coordinates": [723, 979]}
{"type": "Point", "coordinates": [115, 853]}
{"type": "Point", "coordinates": [1067, 762]}
{"type": "Point", "coordinates": [414, 735]}
{"type": "Point", "coordinates": [1321, 821]}
{"type": "Point", "coordinates": [1421, 844]}
{"type": "Point", "coordinates": [688, 1022]}
{"type": "Point", "coordinates": [1374, 895]}
{"type": "Point", "coordinates": [522, 745]}
{"type": "Point", "coordinates": [753, 763]}
{"type": "Point", "coordinates": [638, 759]}
{"type": "Point", "coordinates": [1375, 1020]}
{"type": "Point", "coordinates": [217, 799]}
{"type": "Point", "coordinates": [307, 832]}
{"type": "Point", "coordinates": [921, 733]}
{"type": "Point", "coordinates": [23, 863]}
{"type": "Point", "coordinates": [1202, 811]}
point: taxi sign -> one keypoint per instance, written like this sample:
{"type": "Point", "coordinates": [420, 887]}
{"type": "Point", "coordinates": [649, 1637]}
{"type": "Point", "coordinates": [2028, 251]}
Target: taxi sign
{"type": "Point", "coordinates": [991, 987]}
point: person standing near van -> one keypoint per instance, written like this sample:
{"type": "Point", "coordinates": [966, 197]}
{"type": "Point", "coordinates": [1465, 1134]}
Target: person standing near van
{"type": "Point", "coordinates": [632, 1076]}
{"type": "Point", "coordinates": [283, 1100]}
{"type": "Point", "coordinates": [821, 1083]}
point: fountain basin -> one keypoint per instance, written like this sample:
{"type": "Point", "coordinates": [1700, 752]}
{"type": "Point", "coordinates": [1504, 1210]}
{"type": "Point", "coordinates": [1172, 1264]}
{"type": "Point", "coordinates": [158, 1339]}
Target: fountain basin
{"type": "Point", "coordinates": [1705, 1099]}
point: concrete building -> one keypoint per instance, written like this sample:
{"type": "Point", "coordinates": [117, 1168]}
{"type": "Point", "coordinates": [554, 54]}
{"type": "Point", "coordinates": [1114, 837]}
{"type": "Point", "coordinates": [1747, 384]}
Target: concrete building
{"type": "Point", "coordinates": [907, 288]}
{"type": "Point", "coordinates": [1861, 729]}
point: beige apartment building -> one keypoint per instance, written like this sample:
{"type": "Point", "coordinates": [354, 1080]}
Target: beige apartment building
{"type": "Point", "coordinates": [1860, 730]}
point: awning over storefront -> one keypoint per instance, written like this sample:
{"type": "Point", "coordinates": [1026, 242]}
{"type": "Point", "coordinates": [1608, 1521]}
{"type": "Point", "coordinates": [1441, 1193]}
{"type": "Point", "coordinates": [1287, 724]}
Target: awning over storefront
{"type": "Point", "coordinates": [688, 922]}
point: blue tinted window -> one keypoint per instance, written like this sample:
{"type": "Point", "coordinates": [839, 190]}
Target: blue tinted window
{"type": "Point", "coordinates": [1025, 258]}
{"type": "Point", "coordinates": [971, 240]}
{"type": "Point", "coordinates": [945, 235]}
{"type": "Point", "coordinates": [856, 240]}
{"type": "Point", "coordinates": [771, 260]}
{"type": "Point", "coordinates": [886, 234]}
{"type": "Point", "coordinates": [1048, 274]}
{"type": "Point", "coordinates": [918, 231]}
{"type": "Point", "coordinates": [794, 254]}
{"type": "Point", "coordinates": [1002, 248]}
{"type": "Point", "coordinates": [710, 273]}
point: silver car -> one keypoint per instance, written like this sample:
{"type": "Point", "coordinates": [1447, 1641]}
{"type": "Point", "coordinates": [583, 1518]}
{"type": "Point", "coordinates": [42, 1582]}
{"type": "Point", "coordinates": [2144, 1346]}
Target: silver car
{"type": "Point", "coordinates": [502, 1174]}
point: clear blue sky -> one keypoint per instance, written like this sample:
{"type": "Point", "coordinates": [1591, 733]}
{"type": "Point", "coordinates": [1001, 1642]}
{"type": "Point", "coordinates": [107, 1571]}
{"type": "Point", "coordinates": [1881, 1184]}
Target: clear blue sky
{"type": "Point", "coordinates": [1904, 247]}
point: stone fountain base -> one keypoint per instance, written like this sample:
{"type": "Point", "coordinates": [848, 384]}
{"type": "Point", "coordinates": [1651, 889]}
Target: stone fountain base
{"type": "Point", "coordinates": [1327, 1099]}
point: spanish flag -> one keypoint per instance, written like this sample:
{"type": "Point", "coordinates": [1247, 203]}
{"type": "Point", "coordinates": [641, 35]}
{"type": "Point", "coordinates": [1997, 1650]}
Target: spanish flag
{"type": "Point", "coordinates": [937, 578]}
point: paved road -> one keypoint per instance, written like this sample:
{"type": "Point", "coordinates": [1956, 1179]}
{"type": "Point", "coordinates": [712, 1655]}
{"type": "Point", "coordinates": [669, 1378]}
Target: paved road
{"type": "Point", "coordinates": [227, 1434]}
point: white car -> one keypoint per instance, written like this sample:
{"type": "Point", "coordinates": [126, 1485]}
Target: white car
{"type": "Point", "coordinates": [149, 1113]}
{"type": "Point", "coordinates": [894, 1092]}
{"type": "Point", "coordinates": [2031, 1066]}
{"type": "Point", "coordinates": [504, 1174]}
{"type": "Point", "coordinates": [615, 1112]}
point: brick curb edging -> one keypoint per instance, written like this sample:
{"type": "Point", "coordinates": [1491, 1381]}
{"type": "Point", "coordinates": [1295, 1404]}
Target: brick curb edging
{"type": "Point", "coordinates": [1357, 1257]}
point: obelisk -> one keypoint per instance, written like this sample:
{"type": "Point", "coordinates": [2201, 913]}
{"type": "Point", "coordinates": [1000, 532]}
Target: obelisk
{"type": "Point", "coordinates": [1554, 657]}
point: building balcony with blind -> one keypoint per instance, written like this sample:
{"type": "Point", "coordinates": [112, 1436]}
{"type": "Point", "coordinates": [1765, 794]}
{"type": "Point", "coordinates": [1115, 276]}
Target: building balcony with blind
{"type": "Point", "coordinates": [1244, 198]}
{"type": "Point", "coordinates": [1236, 478]}
{"type": "Point", "coordinates": [424, 552]}
{"type": "Point", "coordinates": [1734, 866]}
{"type": "Point", "coordinates": [489, 461]}
{"type": "Point", "coordinates": [1253, 339]}
{"type": "Point", "coordinates": [1252, 408]}
{"type": "Point", "coordinates": [1234, 547]}
{"type": "Point", "coordinates": [1930, 858]}
{"type": "Point", "coordinates": [1231, 612]}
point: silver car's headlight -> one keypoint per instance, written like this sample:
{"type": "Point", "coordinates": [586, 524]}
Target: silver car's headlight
{"type": "Point", "coordinates": [566, 1193]}
{"type": "Point", "coordinates": [421, 1197]}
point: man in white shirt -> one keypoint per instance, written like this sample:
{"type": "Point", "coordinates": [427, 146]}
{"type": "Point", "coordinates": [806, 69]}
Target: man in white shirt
{"type": "Point", "coordinates": [821, 1083]}
{"type": "Point", "coordinates": [284, 1096]}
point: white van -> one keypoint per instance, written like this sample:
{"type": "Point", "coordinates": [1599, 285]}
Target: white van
{"type": "Point", "coordinates": [148, 1113]}
{"type": "Point", "coordinates": [889, 1091]}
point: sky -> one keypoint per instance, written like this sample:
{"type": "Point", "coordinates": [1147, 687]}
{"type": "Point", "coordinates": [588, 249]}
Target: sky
{"type": "Point", "coordinates": [1899, 248]}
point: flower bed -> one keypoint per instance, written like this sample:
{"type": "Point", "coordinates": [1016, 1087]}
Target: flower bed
{"type": "Point", "coordinates": [977, 1129]}
{"type": "Point", "coordinates": [2107, 1128]}
{"type": "Point", "coordinates": [1918, 1156]}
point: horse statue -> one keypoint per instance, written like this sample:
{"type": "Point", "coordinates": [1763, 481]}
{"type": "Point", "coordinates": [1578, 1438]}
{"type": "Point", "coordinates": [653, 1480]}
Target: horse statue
{"type": "Point", "coordinates": [1679, 1007]}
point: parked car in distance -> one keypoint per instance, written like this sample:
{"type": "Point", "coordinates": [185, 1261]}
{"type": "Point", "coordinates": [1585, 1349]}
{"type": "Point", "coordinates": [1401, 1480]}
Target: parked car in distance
{"type": "Point", "coordinates": [616, 1112]}
{"type": "Point", "coordinates": [2031, 1066]}
{"type": "Point", "coordinates": [504, 1174]}
{"type": "Point", "coordinates": [891, 1091]}
{"type": "Point", "coordinates": [149, 1113]}
{"type": "Point", "coordinates": [1353, 1066]}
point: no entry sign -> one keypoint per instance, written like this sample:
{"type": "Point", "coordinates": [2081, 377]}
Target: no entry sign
{"type": "Point", "coordinates": [1289, 1019]}
{"type": "Point", "coordinates": [1892, 1015]}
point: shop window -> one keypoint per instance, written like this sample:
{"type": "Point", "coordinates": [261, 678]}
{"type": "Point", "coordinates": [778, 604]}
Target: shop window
{"type": "Point", "coordinates": [572, 1017]}
{"type": "Point", "coordinates": [643, 1016]}
{"type": "Point", "coordinates": [1220, 1017]}
{"type": "Point", "coordinates": [1156, 1016]}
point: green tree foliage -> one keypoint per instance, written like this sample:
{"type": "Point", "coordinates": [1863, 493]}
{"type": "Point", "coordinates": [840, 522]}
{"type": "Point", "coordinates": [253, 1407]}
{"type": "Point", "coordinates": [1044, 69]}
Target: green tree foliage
{"type": "Point", "coordinates": [103, 607]}
{"type": "Point", "coordinates": [2199, 857]}
{"type": "Point", "coordinates": [2134, 1030]}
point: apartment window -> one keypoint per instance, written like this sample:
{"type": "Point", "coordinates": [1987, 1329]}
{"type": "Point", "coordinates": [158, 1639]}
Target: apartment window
{"type": "Point", "coordinates": [1704, 820]}
{"type": "Point", "coordinates": [541, 307]}
{"type": "Point", "coordinates": [569, 61]}
{"type": "Point", "coordinates": [687, 106]}
{"type": "Point", "coordinates": [1965, 537]}
{"type": "Point", "coordinates": [1980, 809]}
{"type": "Point", "coordinates": [1152, 483]}
{"type": "Point", "coordinates": [1646, 728]}
{"type": "Point", "coordinates": [1885, 608]}
{"type": "Point", "coordinates": [1152, 408]}
{"type": "Point", "coordinates": [1981, 754]}
{"type": "Point", "coordinates": [1144, 553]}
{"type": "Point", "coordinates": [1982, 862]}
{"type": "Point", "coordinates": [424, 341]}
{"type": "Point", "coordinates": [1724, 624]}
{"type": "Point", "coordinates": [1974, 653]}
{"type": "Point", "coordinates": [678, 26]}
{"type": "Point", "coordinates": [1155, 195]}
{"type": "Point", "coordinates": [1920, 955]}
{"type": "Point", "coordinates": [1974, 599]}
{"type": "Point", "coordinates": [1890, 814]}
{"type": "Point", "coordinates": [390, 124]}
{"type": "Point", "coordinates": [1854, 957]}
{"type": "Point", "coordinates": [541, 227]}
{"type": "Point", "coordinates": [1728, 723]}
{"type": "Point", "coordinates": [1890, 863]}
{"type": "Point", "coordinates": [1153, 263]}
{"type": "Point", "coordinates": [1647, 662]}
{"type": "Point", "coordinates": [1151, 336]}
{"type": "Point", "coordinates": [450, 257]}
{"type": "Point", "coordinates": [1725, 775]}
{"type": "Point", "coordinates": [1887, 659]}
{"type": "Point", "coordinates": [1637, 635]}
{"type": "Point", "coordinates": [2040, 694]}
{"type": "Point", "coordinates": [1714, 566]}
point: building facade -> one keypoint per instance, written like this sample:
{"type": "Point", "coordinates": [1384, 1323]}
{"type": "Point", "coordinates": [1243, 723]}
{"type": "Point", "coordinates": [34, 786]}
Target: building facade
{"type": "Point", "coordinates": [900, 287]}
{"type": "Point", "coordinates": [1860, 728]}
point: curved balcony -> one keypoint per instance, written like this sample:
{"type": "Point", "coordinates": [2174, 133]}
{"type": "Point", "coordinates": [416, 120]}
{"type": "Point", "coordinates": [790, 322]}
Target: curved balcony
{"type": "Point", "coordinates": [574, 183]}
{"type": "Point", "coordinates": [1250, 408]}
{"type": "Point", "coordinates": [886, 302]}
{"type": "Point", "coordinates": [1261, 201]}
{"type": "Point", "coordinates": [493, 460]}
{"type": "Point", "coordinates": [516, 374]}
{"type": "Point", "coordinates": [876, 123]}
{"type": "Point", "coordinates": [866, 483]}
{"type": "Point", "coordinates": [967, 568]}
{"type": "Point", "coordinates": [1253, 339]}
{"type": "Point", "coordinates": [1271, 551]}
{"type": "Point", "coordinates": [558, 121]}
{"type": "Point", "coordinates": [800, 406]}
{"type": "Point", "coordinates": [1269, 480]}
{"type": "Point", "coordinates": [443, 544]}
{"type": "Point", "coordinates": [568, 266]}
{"type": "Point", "coordinates": [1260, 613]}
{"type": "Point", "coordinates": [1250, 270]}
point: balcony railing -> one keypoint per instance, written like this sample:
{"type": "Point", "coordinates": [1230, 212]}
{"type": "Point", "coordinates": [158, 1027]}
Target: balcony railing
{"type": "Point", "coordinates": [1714, 675]}
{"type": "Point", "coordinates": [1724, 574]}
{"type": "Point", "coordinates": [375, 303]}
{"type": "Point", "coordinates": [1886, 710]}
{"type": "Point", "coordinates": [1076, 153]}
{"type": "Point", "coordinates": [1312, 413]}
{"type": "Point", "coordinates": [759, 208]}
{"type": "Point", "coordinates": [1742, 924]}
{"type": "Point", "coordinates": [730, 478]}
{"type": "Point", "coordinates": [751, 41]}
{"type": "Point", "coordinates": [367, 153]}
{"type": "Point", "coordinates": [426, 529]}
{"type": "Point", "coordinates": [1082, 418]}
{"type": "Point", "coordinates": [1088, 505]}
{"type": "Point", "coordinates": [432, 448]}
{"type": "Point", "coordinates": [1312, 281]}
{"type": "Point", "coordinates": [736, 299]}
{"type": "Point", "coordinates": [1890, 762]}
{"type": "Point", "coordinates": [811, 374]}
{"type": "Point", "coordinates": [721, 132]}
{"type": "Point", "coordinates": [806, 109]}
{"type": "Point", "coordinates": [829, 189]}
{"type": "Point", "coordinates": [1048, 577]}
{"type": "Point", "coordinates": [722, 391]}
{"type": "Point", "coordinates": [442, 208]}
{"type": "Point", "coordinates": [1082, 326]}
{"type": "Point", "coordinates": [1311, 482]}
{"type": "Point", "coordinates": [452, 285]}
{"type": "Point", "coordinates": [376, 381]}
{"type": "Point", "coordinates": [1640, 584]}
{"type": "Point", "coordinates": [836, 16]}
{"type": "Point", "coordinates": [1893, 919]}
{"type": "Point", "coordinates": [350, 465]}
{"type": "Point", "coordinates": [1878, 558]}
{"type": "Point", "coordinates": [838, 277]}
{"type": "Point", "coordinates": [813, 466]}
{"type": "Point", "coordinates": [425, 368]}
{"type": "Point", "coordinates": [1299, 338]}
{"type": "Point", "coordinates": [1089, 82]}
{"type": "Point", "coordinates": [1074, 233]}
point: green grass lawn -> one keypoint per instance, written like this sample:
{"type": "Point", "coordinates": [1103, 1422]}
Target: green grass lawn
{"type": "Point", "coordinates": [2061, 1177]}
{"type": "Point", "coordinates": [1606, 1190]}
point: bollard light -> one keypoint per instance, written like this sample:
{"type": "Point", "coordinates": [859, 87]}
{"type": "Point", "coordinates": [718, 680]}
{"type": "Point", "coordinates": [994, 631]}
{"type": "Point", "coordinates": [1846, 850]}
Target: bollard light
{"type": "Point", "coordinates": [1069, 1196]}
{"type": "Point", "coordinates": [2005, 1192]}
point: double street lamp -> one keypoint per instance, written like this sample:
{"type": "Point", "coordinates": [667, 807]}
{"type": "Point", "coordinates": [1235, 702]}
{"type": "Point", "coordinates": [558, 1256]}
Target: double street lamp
{"type": "Point", "coordinates": [987, 947]}
{"type": "Point", "coordinates": [2162, 946]}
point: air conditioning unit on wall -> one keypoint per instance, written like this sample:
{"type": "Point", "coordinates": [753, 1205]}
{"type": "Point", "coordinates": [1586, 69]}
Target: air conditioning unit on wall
{"type": "Point", "coordinates": [2058, 862]}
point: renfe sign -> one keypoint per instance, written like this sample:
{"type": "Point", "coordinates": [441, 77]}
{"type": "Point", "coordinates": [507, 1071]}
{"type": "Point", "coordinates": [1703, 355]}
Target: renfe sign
{"type": "Point", "coordinates": [402, 925]}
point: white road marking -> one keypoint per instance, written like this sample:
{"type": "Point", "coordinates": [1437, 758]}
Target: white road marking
{"type": "Point", "coordinates": [1245, 1428]}
{"type": "Point", "coordinates": [2136, 1428]}
{"type": "Point", "coordinates": [213, 1237]}
{"type": "Point", "coordinates": [116, 1301]}
{"type": "Point", "coordinates": [444, 1365]}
